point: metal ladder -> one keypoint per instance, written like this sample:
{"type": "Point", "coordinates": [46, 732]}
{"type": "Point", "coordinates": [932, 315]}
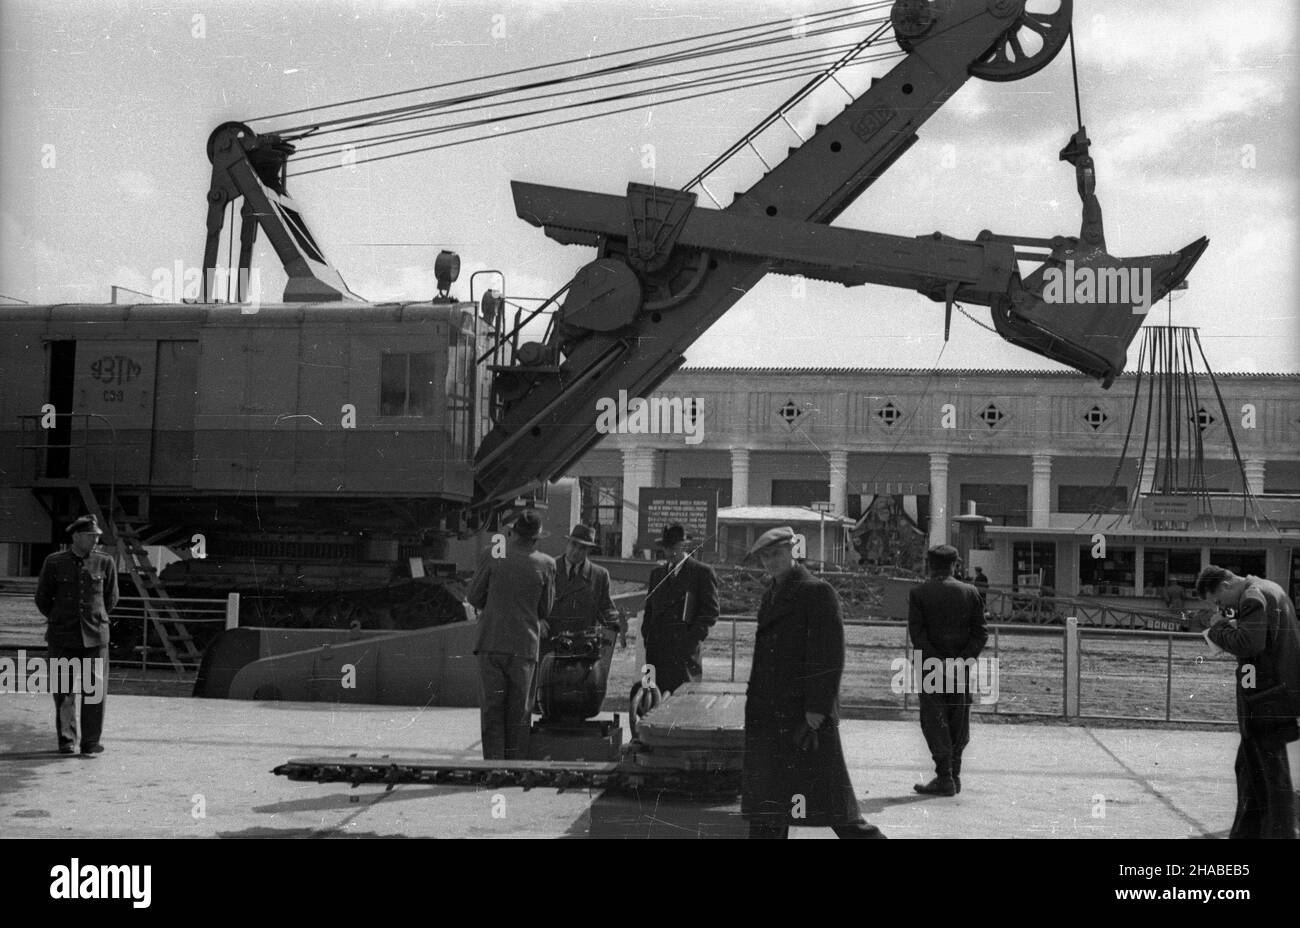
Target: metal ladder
{"type": "Point", "coordinates": [159, 608]}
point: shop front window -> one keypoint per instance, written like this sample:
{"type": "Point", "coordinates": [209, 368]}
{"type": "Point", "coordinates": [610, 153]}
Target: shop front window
{"type": "Point", "coordinates": [1170, 573]}
{"type": "Point", "coordinates": [1112, 575]}
{"type": "Point", "coordinates": [1035, 565]}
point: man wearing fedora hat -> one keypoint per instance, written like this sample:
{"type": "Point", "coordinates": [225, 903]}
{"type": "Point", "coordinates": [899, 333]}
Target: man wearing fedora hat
{"type": "Point", "coordinates": [582, 600]}
{"type": "Point", "coordinates": [794, 773]}
{"type": "Point", "coordinates": [514, 594]}
{"type": "Point", "coordinates": [582, 604]}
{"type": "Point", "coordinates": [76, 591]}
{"type": "Point", "coordinates": [680, 608]}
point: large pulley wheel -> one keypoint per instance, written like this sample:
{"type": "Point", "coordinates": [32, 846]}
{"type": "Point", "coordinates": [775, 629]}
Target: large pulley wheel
{"type": "Point", "coordinates": [672, 284]}
{"type": "Point", "coordinates": [1030, 42]}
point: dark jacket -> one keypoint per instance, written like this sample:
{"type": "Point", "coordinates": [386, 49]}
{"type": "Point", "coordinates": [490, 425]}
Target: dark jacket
{"type": "Point", "coordinates": [514, 595]}
{"type": "Point", "coordinates": [945, 618]}
{"type": "Point", "coordinates": [1265, 639]}
{"type": "Point", "coordinates": [798, 661]}
{"type": "Point", "coordinates": [583, 603]}
{"type": "Point", "coordinates": [668, 615]}
{"type": "Point", "coordinates": [76, 595]}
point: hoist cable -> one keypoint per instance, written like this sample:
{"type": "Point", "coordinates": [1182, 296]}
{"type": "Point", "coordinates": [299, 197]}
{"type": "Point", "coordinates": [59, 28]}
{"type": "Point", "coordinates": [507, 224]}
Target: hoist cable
{"type": "Point", "coordinates": [793, 70]}
{"type": "Point", "coordinates": [785, 107]}
{"type": "Point", "coordinates": [382, 117]}
{"type": "Point", "coordinates": [560, 122]}
{"type": "Point", "coordinates": [733, 69]}
{"type": "Point", "coordinates": [826, 16]}
{"type": "Point", "coordinates": [403, 114]}
{"type": "Point", "coordinates": [1074, 70]}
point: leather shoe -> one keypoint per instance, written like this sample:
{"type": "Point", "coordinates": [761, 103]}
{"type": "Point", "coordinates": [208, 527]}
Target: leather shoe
{"type": "Point", "coordinates": [956, 780]}
{"type": "Point", "coordinates": [95, 748]}
{"type": "Point", "coordinates": [939, 786]}
{"type": "Point", "coordinates": [67, 749]}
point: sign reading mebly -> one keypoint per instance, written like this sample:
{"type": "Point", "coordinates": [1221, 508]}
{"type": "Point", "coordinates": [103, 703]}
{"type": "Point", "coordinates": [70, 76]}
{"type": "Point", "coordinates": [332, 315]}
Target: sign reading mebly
{"type": "Point", "coordinates": [695, 510]}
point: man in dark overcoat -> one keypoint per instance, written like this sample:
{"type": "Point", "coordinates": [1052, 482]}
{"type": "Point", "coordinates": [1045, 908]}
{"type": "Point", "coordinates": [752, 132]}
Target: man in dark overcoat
{"type": "Point", "coordinates": [794, 772]}
{"type": "Point", "coordinates": [680, 608]}
{"type": "Point", "coordinates": [76, 591]}
{"type": "Point", "coordinates": [945, 620]}
{"type": "Point", "coordinates": [1265, 639]}
{"type": "Point", "coordinates": [582, 605]}
{"type": "Point", "coordinates": [582, 600]}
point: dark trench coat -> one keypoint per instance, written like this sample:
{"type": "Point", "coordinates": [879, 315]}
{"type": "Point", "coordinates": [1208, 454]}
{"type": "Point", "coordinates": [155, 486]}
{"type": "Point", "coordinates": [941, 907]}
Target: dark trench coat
{"type": "Point", "coordinates": [798, 661]}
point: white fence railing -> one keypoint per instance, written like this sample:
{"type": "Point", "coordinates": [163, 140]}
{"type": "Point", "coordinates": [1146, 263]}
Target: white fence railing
{"type": "Point", "coordinates": [187, 611]}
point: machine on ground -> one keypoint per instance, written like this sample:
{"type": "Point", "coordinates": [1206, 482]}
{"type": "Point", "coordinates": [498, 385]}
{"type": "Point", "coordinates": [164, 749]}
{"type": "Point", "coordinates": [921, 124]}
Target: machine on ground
{"type": "Point", "coordinates": [182, 419]}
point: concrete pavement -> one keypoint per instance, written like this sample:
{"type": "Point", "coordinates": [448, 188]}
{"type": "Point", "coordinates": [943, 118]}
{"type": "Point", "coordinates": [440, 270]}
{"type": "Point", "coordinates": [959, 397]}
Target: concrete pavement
{"type": "Point", "coordinates": [177, 767]}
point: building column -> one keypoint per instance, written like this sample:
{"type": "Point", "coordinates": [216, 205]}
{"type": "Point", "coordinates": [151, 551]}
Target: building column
{"type": "Point", "coordinates": [938, 499]}
{"type": "Point", "coordinates": [1041, 491]}
{"type": "Point", "coordinates": [740, 476]}
{"type": "Point", "coordinates": [839, 465]}
{"type": "Point", "coordinates": [639, 466]}
{"type": "Point", "coordinates": [1254, 475]}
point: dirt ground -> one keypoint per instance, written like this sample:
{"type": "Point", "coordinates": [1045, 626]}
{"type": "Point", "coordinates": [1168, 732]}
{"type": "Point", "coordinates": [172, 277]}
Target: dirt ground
{"type": "Point", "coordinates": [1119, 678]}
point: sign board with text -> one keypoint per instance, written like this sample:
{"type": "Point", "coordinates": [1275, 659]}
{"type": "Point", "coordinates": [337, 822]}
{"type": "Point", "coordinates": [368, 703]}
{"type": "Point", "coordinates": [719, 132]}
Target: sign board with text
{"type": "Point", "coordinates": [1169, 508]}
{"type": "Point", "coordinates": [696, 510]}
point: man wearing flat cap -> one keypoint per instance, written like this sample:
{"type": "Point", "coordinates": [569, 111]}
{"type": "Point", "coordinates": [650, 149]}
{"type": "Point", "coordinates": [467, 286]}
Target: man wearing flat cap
{"type": "Point", "coordinates": [794, 772]}
{"type": "Point", "coordinates": [680, 608]}
{"type": "Point", "coordinates": [514, 594]}
{"type": "Point", "coordinates": [76, 591]}
{"type": "Point", "coordinates": [945, 620]}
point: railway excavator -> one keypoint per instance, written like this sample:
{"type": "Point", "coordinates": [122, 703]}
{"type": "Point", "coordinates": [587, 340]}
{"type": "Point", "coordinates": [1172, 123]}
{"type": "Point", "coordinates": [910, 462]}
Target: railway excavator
{"type": "Point", "coordinates": [667, 267]}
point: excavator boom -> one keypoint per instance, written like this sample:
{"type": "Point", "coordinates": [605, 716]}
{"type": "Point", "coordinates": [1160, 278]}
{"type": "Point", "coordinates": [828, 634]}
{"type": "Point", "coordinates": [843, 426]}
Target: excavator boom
{"type": "Point", "coordinates": [666, 270]}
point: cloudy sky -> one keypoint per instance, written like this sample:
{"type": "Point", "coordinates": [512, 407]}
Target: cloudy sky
{"type": "Point", "coordinates": [105, 108]}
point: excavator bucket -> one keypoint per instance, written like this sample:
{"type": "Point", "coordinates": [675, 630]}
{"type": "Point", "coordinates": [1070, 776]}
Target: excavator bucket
{"type": "Point", "coordinates": [1085, 309]}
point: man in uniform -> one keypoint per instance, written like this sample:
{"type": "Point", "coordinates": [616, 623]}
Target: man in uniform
{"type": "Point", "coordinates": [680, 608]}
{"type": "Point", "coordinates": [945, 620]}
{"type": "Point", "coordinates": [514, 594]}
{"type": "Point", "coordinates": [76, 591]}
{"type": "Point", "coordinates": [794, 770]}
{"type": "Point", "coordinates": [1264, 638]}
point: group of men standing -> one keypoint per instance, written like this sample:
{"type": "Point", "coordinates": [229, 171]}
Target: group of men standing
{"type": "Point", "coordinates": [526, 599]}
{"type": "Point", "coordinates": [794, 770]}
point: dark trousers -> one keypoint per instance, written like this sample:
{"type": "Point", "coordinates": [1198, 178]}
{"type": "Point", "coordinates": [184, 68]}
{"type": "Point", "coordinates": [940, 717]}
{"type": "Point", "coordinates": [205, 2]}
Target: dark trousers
{"type": "Point", "coordinates": [945, 722]}
{"type": "Point", "coordinates": [761, 829]}
{"type": "Point", "coordinates": [66, 705]}
{"type": "Point", "coordinates": [505, 710]}
{"type": "Point", "coordinates": [1266, 801]}
{"type": "Point", "coordinates": [676, 660]}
